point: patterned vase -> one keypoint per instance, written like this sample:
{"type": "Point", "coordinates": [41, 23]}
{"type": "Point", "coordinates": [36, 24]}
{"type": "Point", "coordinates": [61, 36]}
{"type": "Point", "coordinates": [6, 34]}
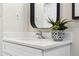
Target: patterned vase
{"type": "Point", "coordinates": [58, 35]}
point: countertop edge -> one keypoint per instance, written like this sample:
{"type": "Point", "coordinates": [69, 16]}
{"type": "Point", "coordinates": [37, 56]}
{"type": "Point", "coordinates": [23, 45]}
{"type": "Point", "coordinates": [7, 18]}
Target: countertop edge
{"type": "Point", "coordinates": [39, 47]}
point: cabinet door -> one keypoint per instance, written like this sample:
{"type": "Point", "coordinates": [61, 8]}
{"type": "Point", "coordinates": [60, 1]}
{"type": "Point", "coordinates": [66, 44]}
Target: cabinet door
{"type": "Point", "coordinates": [59, 51]}
{"type": "Point", "coordinates": [18, 50]}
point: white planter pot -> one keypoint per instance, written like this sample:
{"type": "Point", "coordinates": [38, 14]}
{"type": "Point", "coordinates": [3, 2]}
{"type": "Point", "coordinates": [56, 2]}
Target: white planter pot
{"type": "Point", "coordinates": [58, 35]}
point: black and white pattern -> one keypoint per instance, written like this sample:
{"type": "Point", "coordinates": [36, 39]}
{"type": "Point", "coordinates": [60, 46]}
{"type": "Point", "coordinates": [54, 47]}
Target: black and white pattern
{"type": "Point", "coordinates": [58, 35]}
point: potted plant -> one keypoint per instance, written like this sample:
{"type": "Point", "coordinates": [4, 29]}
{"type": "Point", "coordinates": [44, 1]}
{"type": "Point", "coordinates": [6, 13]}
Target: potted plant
{"type": "Point", "coordinates": [58, 28]}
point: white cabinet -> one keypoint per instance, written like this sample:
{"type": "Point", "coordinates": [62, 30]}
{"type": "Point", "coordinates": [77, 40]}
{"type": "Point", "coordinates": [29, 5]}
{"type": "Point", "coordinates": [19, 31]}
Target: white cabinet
{"type": "Point", "coordinates": [19, 50]}
{"type": "Point", "coordinates": [59, 51]}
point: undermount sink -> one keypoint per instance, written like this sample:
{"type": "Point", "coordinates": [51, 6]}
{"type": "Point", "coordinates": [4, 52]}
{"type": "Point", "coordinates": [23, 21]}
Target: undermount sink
{"type": "Point", "coordinates": [32, 40]}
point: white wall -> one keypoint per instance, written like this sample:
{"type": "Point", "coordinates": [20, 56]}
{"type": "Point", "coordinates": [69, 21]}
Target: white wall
{"type": "Point", "coordinates": [66, 12]}
{"type": "Point", "coordinates": [1, 30]}
{"type": "Point", "coordinates": [15, 17]}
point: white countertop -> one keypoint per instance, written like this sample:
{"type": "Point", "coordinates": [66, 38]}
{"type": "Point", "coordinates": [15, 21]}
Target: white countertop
{"type": "Point", "coordinates": [38, 43]}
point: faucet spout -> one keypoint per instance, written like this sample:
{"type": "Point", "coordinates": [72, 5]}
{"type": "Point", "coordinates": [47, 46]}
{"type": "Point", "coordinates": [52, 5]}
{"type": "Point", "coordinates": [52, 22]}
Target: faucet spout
{"type": "Point", "coordinates": [40, 36]}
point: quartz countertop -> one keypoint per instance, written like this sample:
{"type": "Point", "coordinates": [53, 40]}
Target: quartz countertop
{"type": "Point", "coordinates": [42, 44]}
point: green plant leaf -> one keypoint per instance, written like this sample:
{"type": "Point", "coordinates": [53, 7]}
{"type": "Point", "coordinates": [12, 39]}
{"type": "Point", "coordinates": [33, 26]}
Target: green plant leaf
{"type": "Point", "coordinates": [58, 24]}
{"type": "Point", "coordinates": [65, 22]}
{"type": "Point", "coordinates": [51, 21]}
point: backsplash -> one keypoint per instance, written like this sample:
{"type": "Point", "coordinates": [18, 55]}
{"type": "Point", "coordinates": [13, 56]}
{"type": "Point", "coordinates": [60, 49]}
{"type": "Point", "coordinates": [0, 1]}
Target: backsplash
{"type": "Point", "coordinates": [47, 35]}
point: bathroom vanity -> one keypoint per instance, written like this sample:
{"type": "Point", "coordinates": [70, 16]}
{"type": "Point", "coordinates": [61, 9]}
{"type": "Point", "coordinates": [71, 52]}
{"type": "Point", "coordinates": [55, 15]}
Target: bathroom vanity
{"type": "Point", "coordinates": [35, 47]}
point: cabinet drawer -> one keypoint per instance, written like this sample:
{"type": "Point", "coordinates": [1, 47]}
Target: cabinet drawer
{"type": "Point", "coordinates": [59, 51]}
{"type": "Point", "coordinates": [5, 54]}
{"type": "Point", "coordinates": [18, 50]}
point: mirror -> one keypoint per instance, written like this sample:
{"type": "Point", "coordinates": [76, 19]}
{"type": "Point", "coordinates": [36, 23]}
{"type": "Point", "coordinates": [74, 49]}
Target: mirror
{"type": "Point", "coordinates": [75, 12]}
{"type": "Point", "coordinates": [39, 13]}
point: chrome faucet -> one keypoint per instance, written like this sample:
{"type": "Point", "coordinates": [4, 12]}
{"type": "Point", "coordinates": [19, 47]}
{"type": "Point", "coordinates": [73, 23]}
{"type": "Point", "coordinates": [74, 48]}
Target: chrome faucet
{"type": "Point", "coordinates": [40, 36]}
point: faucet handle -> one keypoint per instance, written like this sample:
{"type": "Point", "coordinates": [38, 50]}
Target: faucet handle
{"type": "Point", "coordinates": [39, 33]}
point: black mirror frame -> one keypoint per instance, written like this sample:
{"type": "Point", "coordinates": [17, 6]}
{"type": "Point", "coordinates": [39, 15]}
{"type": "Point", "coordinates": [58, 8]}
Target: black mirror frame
{"type": "Point", "coordinates": [32, 14]}
{"type": "Point", "coordinates": [73, 12]}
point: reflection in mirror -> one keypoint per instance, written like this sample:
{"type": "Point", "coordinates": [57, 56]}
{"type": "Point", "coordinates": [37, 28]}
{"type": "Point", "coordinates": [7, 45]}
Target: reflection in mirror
{"type": "Point", "coordinates": [40, 13]}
